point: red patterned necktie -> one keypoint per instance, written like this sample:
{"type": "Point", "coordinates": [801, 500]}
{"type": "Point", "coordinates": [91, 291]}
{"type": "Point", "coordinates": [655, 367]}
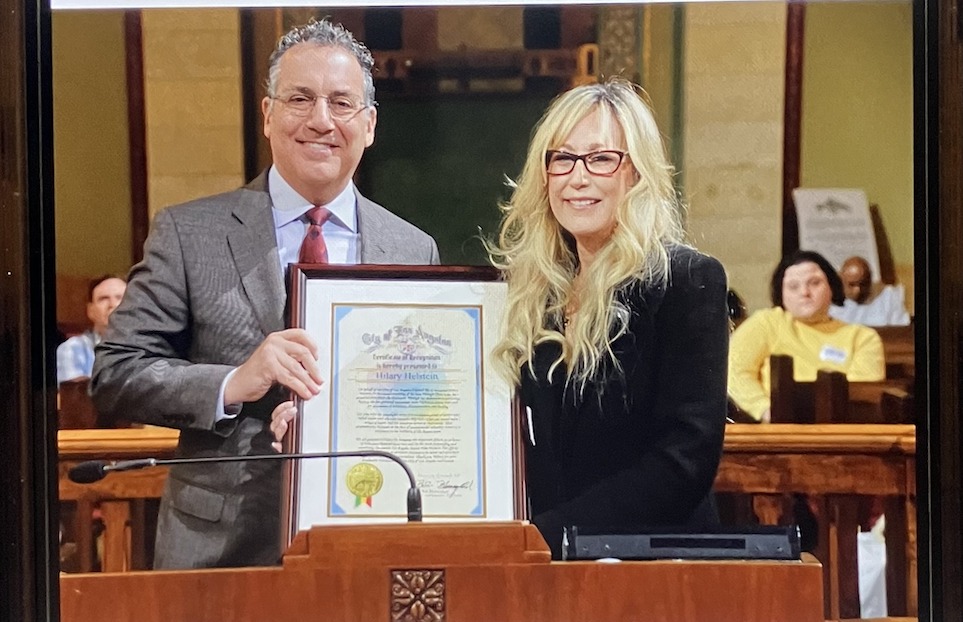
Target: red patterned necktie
{"type": "Point", "coordinates": [313, 248]}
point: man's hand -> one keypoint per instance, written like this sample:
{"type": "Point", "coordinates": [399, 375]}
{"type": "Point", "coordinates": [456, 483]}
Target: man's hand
{"type": "Point", "coordinates": [288, 357]}
{"type": "Point", "coordinates": [280, 418]}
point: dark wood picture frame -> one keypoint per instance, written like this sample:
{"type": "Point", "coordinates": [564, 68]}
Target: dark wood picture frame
{"type": "Point", "coordinates": [29, 587]}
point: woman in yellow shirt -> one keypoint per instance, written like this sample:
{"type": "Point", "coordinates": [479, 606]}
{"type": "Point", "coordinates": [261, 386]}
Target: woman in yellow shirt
{"type": "Point", "coordinates": [804, 285]}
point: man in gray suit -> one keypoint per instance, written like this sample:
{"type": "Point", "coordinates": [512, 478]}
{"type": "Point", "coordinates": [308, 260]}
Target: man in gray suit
{"type": "Point", "coordinates": [198, 342]}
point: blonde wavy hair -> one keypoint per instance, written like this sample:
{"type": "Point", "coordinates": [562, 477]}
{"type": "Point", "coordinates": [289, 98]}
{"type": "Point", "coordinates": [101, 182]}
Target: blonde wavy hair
{"type": "Point", "coordinates": [539, 260]}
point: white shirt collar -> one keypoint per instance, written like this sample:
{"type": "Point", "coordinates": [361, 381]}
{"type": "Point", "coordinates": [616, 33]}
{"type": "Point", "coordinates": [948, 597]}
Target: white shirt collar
{"type": "Point", "coordinates": [290, 206]}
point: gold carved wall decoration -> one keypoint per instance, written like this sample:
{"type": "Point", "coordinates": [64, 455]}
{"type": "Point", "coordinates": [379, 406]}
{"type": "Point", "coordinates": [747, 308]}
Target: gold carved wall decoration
{"type": "Point", "coordinates": [417, 596]}
{"type": "Point", "coordinates": [619, 42]}
{"type": "Point", "coordinates": [586, 64]}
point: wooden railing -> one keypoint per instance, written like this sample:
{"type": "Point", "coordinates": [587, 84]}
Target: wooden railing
{"type": "Point", "coordinates": [837, 463]}
{"type": "Point", "coordinates": [899, 347]}
{"type": "Point", "coordinates": [119, 501]}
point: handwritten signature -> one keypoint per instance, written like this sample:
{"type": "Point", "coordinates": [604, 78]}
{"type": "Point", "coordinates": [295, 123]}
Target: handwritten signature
{"type": "Point", "coordinates": [451, 488]}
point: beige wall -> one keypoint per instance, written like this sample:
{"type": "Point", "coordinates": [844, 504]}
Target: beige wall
{"type": "Point", "coordinates": [857, 86]}
{"type": "Point", "coordinates": [480, 28]}
{"type": "Point", "coordinates": [193, 117]}
{"type": "Point", "coordinates": [657, 51]}
{"type": "Point", "coordinates": [733, 137]}
{"type": "Point", "coordinates": [192, 71]}
{"type": "Point", "coordinates": [91, 158]}
{"type": "Point", "coordinates": [858, 109]}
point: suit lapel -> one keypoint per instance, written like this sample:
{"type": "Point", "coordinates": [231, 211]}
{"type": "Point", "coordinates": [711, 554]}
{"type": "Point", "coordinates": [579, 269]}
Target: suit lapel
{"type": "Point", "coordinates": [254, 248]}
{"type": "Point", "coordinates": [371, 225]}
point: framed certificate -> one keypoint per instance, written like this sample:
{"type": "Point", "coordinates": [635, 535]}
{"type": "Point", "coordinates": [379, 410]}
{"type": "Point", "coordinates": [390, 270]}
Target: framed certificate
{"type": "Point", "coordinates": [407, 369]}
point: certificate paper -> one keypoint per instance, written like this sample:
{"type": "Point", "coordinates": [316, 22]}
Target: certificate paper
{"type": "Point", "coordinates": [407, 380]}
{"type": "Point", "coordinates": [407, 369]}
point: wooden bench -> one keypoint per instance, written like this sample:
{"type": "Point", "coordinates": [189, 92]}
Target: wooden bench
{"type": "Point", "coordinates": [831, 398]}
{"type": "Point", "coordinates": [839, 465]}
{"type": "Point", "coordinates": [899, 349]}
{"type": "Point", "coordinates": [126, 501]}
{"type": "Point", "coordinates": [75, 410]}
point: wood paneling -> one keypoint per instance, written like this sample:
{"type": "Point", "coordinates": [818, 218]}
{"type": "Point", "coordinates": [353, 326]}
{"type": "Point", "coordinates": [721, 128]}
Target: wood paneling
{"type": "Point", "coordinates": [137, 135]}
{"type": "Point", "coordinates": [939, 299]}
{"type": "Point", "coordinates": [480, 572]}
{"type": "Point", "coordinates": [260, 29]}
{"type": "Point", "coordinates": [792, 122]}
{"type": "Point", "coordinates": [28, 552]}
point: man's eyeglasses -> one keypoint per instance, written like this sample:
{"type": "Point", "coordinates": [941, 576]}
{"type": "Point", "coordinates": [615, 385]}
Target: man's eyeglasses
{"type": "Point", "coordinates": [340, 107]}
{"type": "Point", "coordinates": [603, 162]}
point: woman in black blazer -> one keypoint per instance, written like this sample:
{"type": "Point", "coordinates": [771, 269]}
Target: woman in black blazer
{"type": "Point", "coordinates": [617, 335]}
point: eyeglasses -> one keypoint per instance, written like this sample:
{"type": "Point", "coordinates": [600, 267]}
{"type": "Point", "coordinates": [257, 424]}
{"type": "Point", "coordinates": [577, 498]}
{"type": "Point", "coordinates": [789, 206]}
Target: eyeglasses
{"type": "Point", "coordinates": [604, 162]}
{"type": "Point", "coordinates": [340, 107]}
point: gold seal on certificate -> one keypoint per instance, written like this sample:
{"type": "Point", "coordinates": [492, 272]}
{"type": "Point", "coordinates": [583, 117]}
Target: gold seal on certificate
{"type": "Point", "coordinates": [363, 480]}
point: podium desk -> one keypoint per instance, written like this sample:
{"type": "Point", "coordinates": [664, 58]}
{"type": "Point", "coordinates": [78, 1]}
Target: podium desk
{"type": "Point", "coordinates": [444, 572]}
{"type": "Point", "coordinates": [838, 462]}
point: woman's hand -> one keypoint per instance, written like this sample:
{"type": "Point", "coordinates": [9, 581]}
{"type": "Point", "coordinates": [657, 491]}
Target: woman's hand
{"type": "Point", "coordinates": [280, 418]}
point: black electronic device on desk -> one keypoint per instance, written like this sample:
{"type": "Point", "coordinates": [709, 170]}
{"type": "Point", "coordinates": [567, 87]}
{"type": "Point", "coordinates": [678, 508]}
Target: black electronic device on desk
{"type": "Point", "coordinates": [755, 542]}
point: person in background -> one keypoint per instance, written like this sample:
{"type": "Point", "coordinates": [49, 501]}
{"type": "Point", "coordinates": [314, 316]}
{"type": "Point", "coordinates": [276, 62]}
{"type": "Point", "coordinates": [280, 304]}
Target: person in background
{"type": "Point", "coordinates": [199, 342]}
{"type": "Point", "coordinates": [618, 334]}
{"type": "Point", "coordinates": [803, 286]}
{"type": "Point", "coordinates": [866, 305]}
{"type": "Point", "coordinates": [75, 356]}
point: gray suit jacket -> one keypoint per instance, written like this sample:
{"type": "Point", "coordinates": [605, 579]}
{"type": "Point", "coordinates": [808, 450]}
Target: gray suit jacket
{"type": "Point", "coordinates": [207, 292]}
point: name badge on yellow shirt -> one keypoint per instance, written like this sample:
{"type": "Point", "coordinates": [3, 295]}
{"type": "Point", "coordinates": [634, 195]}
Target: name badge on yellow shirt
{"type": "Point", "coordinates": [831, 354]}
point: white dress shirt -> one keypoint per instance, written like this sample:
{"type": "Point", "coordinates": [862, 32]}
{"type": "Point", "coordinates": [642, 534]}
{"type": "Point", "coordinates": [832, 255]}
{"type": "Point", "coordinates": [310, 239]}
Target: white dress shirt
{"type": "Point", "coordinates": [340, 233]}
{"type": "Point", "coordinates": [887, 308]}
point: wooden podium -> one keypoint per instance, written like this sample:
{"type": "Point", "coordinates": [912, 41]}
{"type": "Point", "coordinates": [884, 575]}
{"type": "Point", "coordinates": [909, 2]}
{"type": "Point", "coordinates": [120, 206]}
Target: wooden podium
{"type": "Point", "coordinates": [444, 572]}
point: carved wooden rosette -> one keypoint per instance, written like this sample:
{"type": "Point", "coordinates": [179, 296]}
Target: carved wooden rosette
{"type": "Point", "coordinates": [417, 596]}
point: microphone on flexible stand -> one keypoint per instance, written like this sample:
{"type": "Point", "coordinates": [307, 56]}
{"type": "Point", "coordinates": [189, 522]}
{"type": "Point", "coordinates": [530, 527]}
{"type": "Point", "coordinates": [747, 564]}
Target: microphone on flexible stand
{"type": "Point", "coordinates": [95, 470]}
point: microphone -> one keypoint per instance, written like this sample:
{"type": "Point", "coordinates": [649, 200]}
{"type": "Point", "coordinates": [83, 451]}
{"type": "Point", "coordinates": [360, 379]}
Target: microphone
{"type": "Point", "coordinates": [96, 470]}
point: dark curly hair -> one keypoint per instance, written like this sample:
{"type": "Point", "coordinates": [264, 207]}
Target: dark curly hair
{"type": "Point", "coordinates": [325, 34]}
{"type": "Point", "coordinates": [835, 283]}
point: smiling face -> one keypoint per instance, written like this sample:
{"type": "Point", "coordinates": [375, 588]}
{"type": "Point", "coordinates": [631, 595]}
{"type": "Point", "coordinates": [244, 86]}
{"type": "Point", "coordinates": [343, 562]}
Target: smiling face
{"type": "Point", "coordinates": [584, 204]}
{"type": "Point", "coordinates": [806, 293]}
{"type": "Point", "coordinates": [315, 153]}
